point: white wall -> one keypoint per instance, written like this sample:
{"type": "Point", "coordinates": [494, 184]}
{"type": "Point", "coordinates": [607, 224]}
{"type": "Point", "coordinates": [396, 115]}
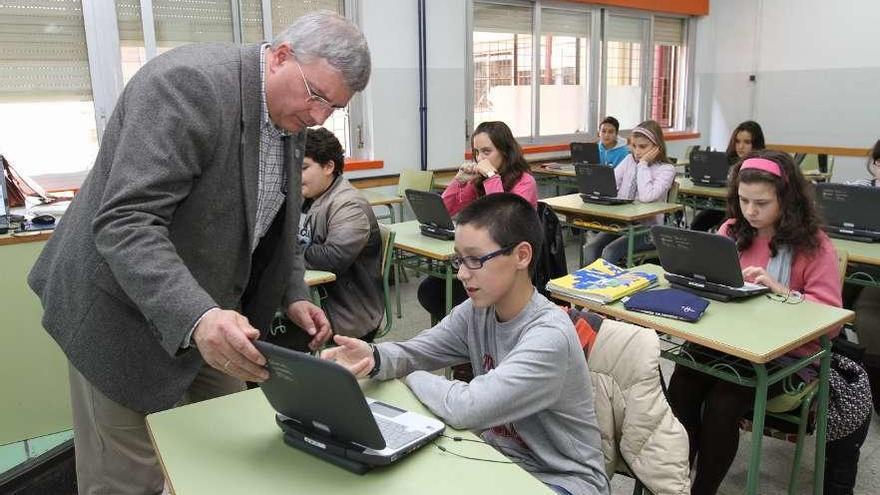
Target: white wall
{"type": "Point", "coordinates": [817, 68]}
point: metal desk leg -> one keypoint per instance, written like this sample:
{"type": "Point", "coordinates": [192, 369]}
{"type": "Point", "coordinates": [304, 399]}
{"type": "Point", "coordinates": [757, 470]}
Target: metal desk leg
{"type": "Point", "coordinates": [582, 240]}
{"type": "Point", "coordinates": [822, 415]}
{"type": "Point", "coordinates": [757, 428]}
{"type": "Point", "coordinates": [630, 245]}
{"type": "Point", "coordinates": [448, 287]}
{"type": "Point", "coordinates": [391, 213]}
{"type": "Point", "coordinates": [316, 296]}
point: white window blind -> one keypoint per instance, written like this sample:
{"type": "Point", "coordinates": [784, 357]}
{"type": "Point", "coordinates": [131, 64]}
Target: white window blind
{"type": "Point", "coordinates": [284, 12]}
{"type": "Point", "coordinates": [668, 31]}
{"type": "Point", "coordinates": [43, 52]}
{"type": "Point", "coordinates": [192, 21]}
{"type": "Point", "coordinates": [626, 29]}
{"type": "Point", "coordinates": [252, 21]}
{"type": "Point", "coordinates": [128, 18]}
{"type": "Point", "coordinates": [565, 23]}
{"type": "Point", "coordinates": [493, 18]}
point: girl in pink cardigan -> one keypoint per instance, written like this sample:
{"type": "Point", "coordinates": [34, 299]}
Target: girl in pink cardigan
{"type": "Point", "coordinates": [774, 222]}
{"type": "Point", "coordinates": [500, 167]}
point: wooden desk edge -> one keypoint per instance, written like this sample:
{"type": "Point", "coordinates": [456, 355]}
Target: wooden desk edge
{"type": "Point", "coordinates": [623, 218]}
{"type": "Point", "coordinates": [421, 252]}
{"type": "Point", "coordinates": [40, 235]}
{"type": "Point", "coordinates": [159, 456]}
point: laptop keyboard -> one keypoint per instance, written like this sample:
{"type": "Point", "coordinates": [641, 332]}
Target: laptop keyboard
{"type": "Point", "coordinates": [396, 435]}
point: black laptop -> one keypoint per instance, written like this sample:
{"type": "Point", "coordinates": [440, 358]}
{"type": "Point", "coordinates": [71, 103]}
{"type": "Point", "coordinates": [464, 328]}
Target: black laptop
{"type": "Point", "coordinates": [849, 211]}
{"type": "Point", "coordinates": [703, 263]}
{"type": "Point", "coordinates": [709, 168]}
{"type": "Point", "coordinates": [322, 411]}
{"type": "Point", "coordinates": [597, 184]}
{"type": "Point", "coordinates": [585, 153]}
{"type": "Point", "coordinates": [434, 219]}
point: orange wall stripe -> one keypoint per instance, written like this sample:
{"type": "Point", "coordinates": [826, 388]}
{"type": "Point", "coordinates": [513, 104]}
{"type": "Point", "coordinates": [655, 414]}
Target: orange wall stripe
{"type": "Point", "coordinates": [351, 165]}
{"type": "Point", "coordinates": [546, 148]}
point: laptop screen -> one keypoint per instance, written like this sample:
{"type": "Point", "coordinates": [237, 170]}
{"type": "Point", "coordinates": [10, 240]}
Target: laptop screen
{"type": "Point", "coordinates": [429, 208]}
{"type": "Point", "coordinates": [584, 152]}
{"type": "Point", "coordinates": [849, 206]}
{"type": "Point", "coordinates": [596, 180]}
{"type": "Point", "coordinates": [709, 165]}
{"type": "Point", "coordinates": [700, 255]}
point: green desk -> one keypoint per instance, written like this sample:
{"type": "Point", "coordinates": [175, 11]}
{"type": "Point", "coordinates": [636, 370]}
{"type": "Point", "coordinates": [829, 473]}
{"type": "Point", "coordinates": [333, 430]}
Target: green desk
{"type": "Point", "coordinates": [732, 328]}
{"type": "Point", "coordinates": [618, 219]}
{"type": "Point", "coordinates": [558, 175]}
{"type": "Point", "coordinates": [376, 198]}
{"type": "Point", "coordinates": [701, 197]}
{"type": "Point", "coordinates": [315, 279]}
{"type": "Point", "coordinates": [231, 445]}
{"type": "Point", "coordinates": [864, 253]}
{"type": "Point", "coordinates": [424, 254]}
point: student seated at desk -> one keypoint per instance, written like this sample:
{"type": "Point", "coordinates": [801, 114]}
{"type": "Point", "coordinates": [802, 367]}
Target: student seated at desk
{"type": "Point", "coordinates": [776, 227]}
{"type": "Point", "coordinates": [612, 148]}
{"type": "Point", "coordinates": [746, 137]}
{"type": "Point", "coordinates": [532, 397]}
{"type": "Point", "coordinates": [500, 167]}
{"type": "Point", "coordinates": [339, 233]}
{"type": "Point", "coordinates": [644, 175]}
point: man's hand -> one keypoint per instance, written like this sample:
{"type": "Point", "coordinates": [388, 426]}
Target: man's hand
{"type": "Point", "coordinates": [224, 338]}
{"type": "Point", "coordinates": [312, 320]}
{"type": "Point", "coordinates": [354, 354]}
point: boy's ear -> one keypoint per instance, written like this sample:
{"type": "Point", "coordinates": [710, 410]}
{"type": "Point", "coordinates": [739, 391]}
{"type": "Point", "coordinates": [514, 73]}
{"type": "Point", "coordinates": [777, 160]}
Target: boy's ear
{"type": "Point", "coordinates": [523, 253]}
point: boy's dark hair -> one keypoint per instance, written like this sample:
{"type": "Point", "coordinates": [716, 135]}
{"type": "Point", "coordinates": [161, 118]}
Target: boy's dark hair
{"type": "Point", "coordinates": [875, 155]}
{"type": "Point", "coordinates": [611, 121]}
{"type": "Point", "coordinates": [322, 147]}
{"type": "Point", "coordinates": [800, 223]}
{"type": "Point", "coordinates": [509, 218]}
{"type": "Point", "coordinates": [754, 130]}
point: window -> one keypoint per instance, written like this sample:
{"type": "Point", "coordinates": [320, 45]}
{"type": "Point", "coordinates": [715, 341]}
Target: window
{"type": "Point", "coordinates": [502, 42]}
{"type": "Point", "coordinates": [48, 115]}
{"type": "Point", "coordinates": [565, 42]}
{"type": "Point", "coordinates": [624, 67]}
{"type": "Point", "coordinates": [666, 87]}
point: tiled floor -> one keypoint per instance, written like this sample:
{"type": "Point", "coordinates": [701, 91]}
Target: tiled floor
{"type": "Point", "coordinates": [777, 455]}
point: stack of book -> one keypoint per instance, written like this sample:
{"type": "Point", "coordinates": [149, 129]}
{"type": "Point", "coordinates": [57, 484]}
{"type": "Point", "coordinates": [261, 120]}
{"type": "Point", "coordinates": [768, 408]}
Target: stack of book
{"type": "Point", "coordinates": [601, 282]}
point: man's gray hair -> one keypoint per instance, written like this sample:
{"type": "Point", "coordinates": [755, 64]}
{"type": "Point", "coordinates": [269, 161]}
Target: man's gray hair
{"type": "Point", "coordinates": [325, 34]}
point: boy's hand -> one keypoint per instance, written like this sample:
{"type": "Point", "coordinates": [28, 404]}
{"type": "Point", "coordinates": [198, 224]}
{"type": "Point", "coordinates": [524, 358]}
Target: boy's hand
{"type": "Point", "coordinates": [354, 354]}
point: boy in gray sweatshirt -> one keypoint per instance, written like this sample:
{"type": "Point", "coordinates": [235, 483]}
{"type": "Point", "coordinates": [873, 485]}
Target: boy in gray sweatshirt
{"type": "Point", "coordinates": [531, 396]}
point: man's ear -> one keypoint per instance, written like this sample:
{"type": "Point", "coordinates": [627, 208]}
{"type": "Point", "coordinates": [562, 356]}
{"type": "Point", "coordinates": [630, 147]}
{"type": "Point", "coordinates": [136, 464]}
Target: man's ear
{"type": "Point", "coordinates": [524, 254]}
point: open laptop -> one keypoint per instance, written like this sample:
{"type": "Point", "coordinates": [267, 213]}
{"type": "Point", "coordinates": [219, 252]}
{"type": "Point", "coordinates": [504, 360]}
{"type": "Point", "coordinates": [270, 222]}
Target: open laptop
{"type": "Point", "coordinates": [597, 185]}
{"type": "Point", "coordinates": [585, 153]}
{"type": "Point", "coordinates": [322, 411]}
{"type": "Point", "coordinates": [703, 263]}
{"type": "Point", "coordinates": [434, 219]}
{"type": "Point", "coordinates": [709, 168]}
{"type": "Point", "coordinates": [849, 211]}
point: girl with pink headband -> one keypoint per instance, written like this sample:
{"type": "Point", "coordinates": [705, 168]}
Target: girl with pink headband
{"type": "Point", "coordinates": [774, 222]}
{"type": "Point", "coordinates": [645, 175]}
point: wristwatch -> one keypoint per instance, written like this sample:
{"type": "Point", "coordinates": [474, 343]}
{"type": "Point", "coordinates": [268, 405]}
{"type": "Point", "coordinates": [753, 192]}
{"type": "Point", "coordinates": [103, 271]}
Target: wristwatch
{"type": "Point", "coordinates": [375, 370]}
{"type": "Point", "coordinates": [491, 174]}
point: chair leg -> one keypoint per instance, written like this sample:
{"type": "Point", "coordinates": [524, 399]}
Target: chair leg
{"type": "Point", "coordinates": [397, 290]}
{"type": "Point", "coordinates": [798, 449]}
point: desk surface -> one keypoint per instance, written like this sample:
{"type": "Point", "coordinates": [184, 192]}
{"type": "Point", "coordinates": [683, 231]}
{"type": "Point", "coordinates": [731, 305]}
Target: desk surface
{"type": "Point", "coordinates": [377, 198]}
{"type": "Point", "coordinates": [757, 329]}
{"type": "Point", "coordinates": [859, 252]}
{"type": "Point", "coordinates": [409, 238]}
{"type": "Point", "coordinates": [318, 277]}
{"type": "Point", "coordinates": [686, 186]}
{"type": "Point", "coordinates": [19, 238]}
{"type": "Point", "coordinates": [573, 204]}
{"type": "Point", "coordinates": [231, 445]}
{"type": "Point", "coordinates": [563, 170]}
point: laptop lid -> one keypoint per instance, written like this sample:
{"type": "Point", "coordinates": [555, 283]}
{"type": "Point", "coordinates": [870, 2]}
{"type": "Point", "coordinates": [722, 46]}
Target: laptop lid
{"type": "Point", "coordinates": [585, 153]}
{"type": "Point", "coordinates": [849, 207]}
{"type": "Point", "coordinates": [429, 208]}
{"type": "Point", "coordinates": [698, 255]}
{"type": "Point", "coordinates": [709, 166]}
{"type": "Point", "coordinates": [596, 180]}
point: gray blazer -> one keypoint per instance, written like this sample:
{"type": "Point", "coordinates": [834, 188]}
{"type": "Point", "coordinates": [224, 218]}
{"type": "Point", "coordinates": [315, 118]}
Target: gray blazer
{"type": "Point", "coordinates": [162, 227]}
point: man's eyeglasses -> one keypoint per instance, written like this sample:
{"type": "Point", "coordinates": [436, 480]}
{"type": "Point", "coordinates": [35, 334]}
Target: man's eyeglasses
{"type": "Point", "coordinates": [320, 100]}
{"type": "Point", "coordinates": [477, 262]}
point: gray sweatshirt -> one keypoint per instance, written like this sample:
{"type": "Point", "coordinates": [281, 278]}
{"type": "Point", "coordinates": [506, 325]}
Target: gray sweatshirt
{"type": "Point", "coordinates": [531, 394]}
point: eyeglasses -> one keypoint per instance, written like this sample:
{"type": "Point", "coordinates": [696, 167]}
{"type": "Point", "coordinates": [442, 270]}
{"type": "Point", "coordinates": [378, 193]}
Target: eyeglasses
{"type": "Point", "coordinates": [477, 262]}
{"type": "Point", "coordinates": [793, 297]}
{"type": "Point", "coordinates": [320, 100]}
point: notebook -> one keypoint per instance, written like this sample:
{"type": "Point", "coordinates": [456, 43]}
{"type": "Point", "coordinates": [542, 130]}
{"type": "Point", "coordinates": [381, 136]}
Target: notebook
{"type": "Point", "coordinates": [703, 263]}
{"type": "Point", "coordinates": [597, 184]}
{"type": "Point", "coordinates": [585, 153]}
{"type": "Point", "coordinates": [709, 168]}
{"type": "Point", "coordinates": [601, 282]}
{"type": "Point", "coordinates": [322, 411]}
{"type": "Point", "coordinates": [849, 211]}
{"type": "Point", "coordinates": [434, 219]}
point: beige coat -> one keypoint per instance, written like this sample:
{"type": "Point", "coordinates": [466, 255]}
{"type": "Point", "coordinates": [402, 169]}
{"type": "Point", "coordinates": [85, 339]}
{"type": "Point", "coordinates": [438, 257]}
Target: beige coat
{"type": "Point", "coordinates": [639, 432]}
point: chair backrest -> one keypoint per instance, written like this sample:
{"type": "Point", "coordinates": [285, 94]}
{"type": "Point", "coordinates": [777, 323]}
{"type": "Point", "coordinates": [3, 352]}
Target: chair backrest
{"type": "Point", "coordinates": [421, 180]}
{"type": "Point", "coordinates": [810, 163]}
{"type": "Point", "coordinates": [387, 236]}
{"type": "Point", "coordinates": [672, 193]}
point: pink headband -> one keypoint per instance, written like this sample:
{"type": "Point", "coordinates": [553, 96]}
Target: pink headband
{"type": "Point", "coordinates": [765, 165]}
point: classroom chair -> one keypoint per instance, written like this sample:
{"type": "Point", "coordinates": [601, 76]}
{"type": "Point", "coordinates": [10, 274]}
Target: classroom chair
{"type": "Point", "coordinates": [790, 416]}
{"type": "Point", "coordinates": [387, 262]}
{"type": "Point", "coordinates": [811, 166]}
{"type": "Point", "coordinates": [421, 180]}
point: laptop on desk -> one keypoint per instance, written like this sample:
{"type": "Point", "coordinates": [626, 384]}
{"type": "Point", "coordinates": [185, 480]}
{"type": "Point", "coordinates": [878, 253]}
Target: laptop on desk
{"type": "Point", "coordinates": [703, 263]}
{"type": "Point", "coordinates": [709, 168]}
{"type": "Point", "coordinates": [434, 219]}
{"type": "Point", "coordinates": [849, 211]}
{"type": "Point", "coordinates": [597, 184]}
{"type": "Point", "coordinates": [585, 153]}
{"type": "Point", "coordinates": [321, 410]}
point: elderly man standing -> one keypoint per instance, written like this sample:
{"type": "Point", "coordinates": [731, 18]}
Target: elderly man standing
{"type": "Point", "coordinates": [182, 241]}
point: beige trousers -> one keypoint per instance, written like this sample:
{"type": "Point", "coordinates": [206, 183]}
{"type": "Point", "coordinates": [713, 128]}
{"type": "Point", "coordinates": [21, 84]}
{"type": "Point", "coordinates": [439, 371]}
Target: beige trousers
{"type": "Point", "coordinates": [114, 454]}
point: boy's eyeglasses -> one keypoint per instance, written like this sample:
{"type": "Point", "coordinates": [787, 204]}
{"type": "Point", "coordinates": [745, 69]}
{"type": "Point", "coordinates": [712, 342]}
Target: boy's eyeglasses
{"type": "Point", "coordinates": [793, 297]}
{"type": "Point", "coordinates": [477, 262]}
